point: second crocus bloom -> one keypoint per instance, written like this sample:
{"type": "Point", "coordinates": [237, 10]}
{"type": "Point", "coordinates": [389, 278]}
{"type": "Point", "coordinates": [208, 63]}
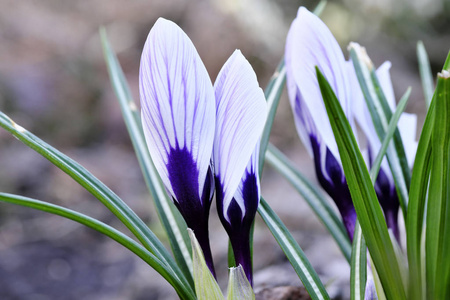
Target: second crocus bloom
{"type": "Point", "coordinates": [241, 115]}
{"type": "Point", "coordinates": [310, 44]}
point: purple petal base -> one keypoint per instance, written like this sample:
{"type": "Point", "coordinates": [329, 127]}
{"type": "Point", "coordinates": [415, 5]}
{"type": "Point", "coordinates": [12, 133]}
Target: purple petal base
{"type": "Point", "coordinates": [183, 176]}
{"type": "Point", "coordinates": [335, 185]}
{"type": "Point", "coordinates": [238, 228]}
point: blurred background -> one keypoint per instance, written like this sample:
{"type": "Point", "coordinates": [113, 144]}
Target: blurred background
{"type": "Point", "coordinates": [53, 81]}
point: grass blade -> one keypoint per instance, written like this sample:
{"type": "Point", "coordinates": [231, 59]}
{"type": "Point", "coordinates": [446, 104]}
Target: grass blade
{"type": "Point", "coordinates": [107, 230]}
{"type": "Point", "coordinates": [437, 261]}
{"type": "Point", "coordinates": [381, 115]}
{"type": "Point", "coordinates": [273, 94]}
{"type": "Point", "coordinates": [97, 188]}
{"type": "Point", "coordinates": [320, 7]}
{"type": "Point", "coordinates": [425, 73]}
{"type": "Point", "coordinates": [359, 258]}
{"type": "Point", "coordinates": [293, 252]}
{"type": "Point", "coordinates": [389, 135]}
{"type": "Point", "coordinates": [170, 217]}
{"type": "Point", "coordinates": [313, 196]}
{"type": "Point", "coordinates": [358, 266]}
{"type": "Point", "coordinates": [416, 206]}
{"type": "Point", "coordinates": [363, 194]}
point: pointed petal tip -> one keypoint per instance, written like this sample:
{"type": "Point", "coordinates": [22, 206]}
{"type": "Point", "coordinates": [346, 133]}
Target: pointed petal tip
{"type": "Point", "coordinates": [177, 100]}
{"type": "Point", "coordinates": [241, 115]}
{"type": "Point", "coordinates": [310, 43]}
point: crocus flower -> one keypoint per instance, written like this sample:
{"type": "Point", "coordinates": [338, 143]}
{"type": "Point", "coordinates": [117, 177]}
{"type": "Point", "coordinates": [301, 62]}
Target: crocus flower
{"type": "Point", "coordinates": [384, 185]}
{"type": "Point", "coordinates": [309, 44]}
{"type": "Point", "coordinates": [178, 118]}
{"type": "Point", "coordinates": [241, 114]}
{"type": "Point", "coordinates": [183, 116]}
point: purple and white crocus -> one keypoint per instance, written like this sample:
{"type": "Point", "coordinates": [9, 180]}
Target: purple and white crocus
{"type": "Point", "coordinates": [201, 137]}
{"type": "Point", "coordinates": [241, 114]}
{"type": "Point", "coordinates": [178, 118]}
{"type": "Point", "coordinates": [310, 44]}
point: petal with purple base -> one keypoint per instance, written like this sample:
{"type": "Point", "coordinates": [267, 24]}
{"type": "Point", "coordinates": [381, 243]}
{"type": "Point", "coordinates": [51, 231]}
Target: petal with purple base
{"type": "Point", "coordinates": [178, 108]}
{"type": "Point", "coordinates": [309, 44]}
{"type": "Point", "coordinates": [331, 177]}
{"type": "Point", "coordinates": [241, 114]}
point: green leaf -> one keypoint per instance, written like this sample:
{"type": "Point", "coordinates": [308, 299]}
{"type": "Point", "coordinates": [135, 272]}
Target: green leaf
{"type": "Point", "coordinates": [293, 252]}
{"type": "Point", "coordinates": [437, 262]}
{"type": "Point", "coordinates": [169, 215]}
{"type": "Point", "coordinates": [447, 63]}
{"type": "Point", "coordinates": [359, 260]}
{"type": "Point", "coordinates": [381, 115]}
{"type": "Point", "coordinates": [273, 94]}
{"type": "Point", "coordinates": [416, 205]}
{"type": "Point", "coordinates": [144, 254]}
{"type": "Point", "coordinates": [313, 196]}
{"type": "Point", "coordinates": [363, 195]}
{"type": "Point", "coordinates": [389, 135]}
{"type": "Point", "coordinates": [358, 266]}
{"type": "Point", "coordinates": [377, 282]}
{"type": "Point", "coordinates": [320, 7]}
{"type": "Point", "coordinates": [425, 73]}
{"type": "Point", "coordinates": [206, 286]}
{"type": "Point", "coordinates": [98, 189]}
{"type": "Point", "coordinates": [238, 286]}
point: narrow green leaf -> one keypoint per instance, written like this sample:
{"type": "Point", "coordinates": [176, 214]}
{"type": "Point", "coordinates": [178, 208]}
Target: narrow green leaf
{"type": "Point", "coordinates": [389, 134]}
{"type": "Point", "coordinates": [238, 286]}
{"type": "Point", "coordinates": [98, 189]}
{"type": "Point", "coordinates": [293, 252]}
{"type": "Point", "coordinates": [437, 261]}
{"type": "Point", "coordinates": [313, 196]}
{"type": "Point", "coordinates": [447, 63]}
{"type": "Point", "coordinates": [183, 291]}
{"type": "Point", "coordinates": [425, 73]}
{"type": "Point", "coordinates": [359, 259]}
{"type": "Point", "coordinates": [376, 279]}
{"type": "Point", "coordinates": [358, 266]}
{"type": "Point", "coordinates": [169, 215]}
{"type": "Point", "coordinates": [363, 195]}
{"type": "Point", "coordinates": [381, 115]}
{"type": "Point", "coordinates": [416, 206]}
{"type": "Point", "coordinates": [206, 286]}
{"type": "Point", "coordinates": [273, 94]}
{"type": "Point", "coordinates": [320, 7]}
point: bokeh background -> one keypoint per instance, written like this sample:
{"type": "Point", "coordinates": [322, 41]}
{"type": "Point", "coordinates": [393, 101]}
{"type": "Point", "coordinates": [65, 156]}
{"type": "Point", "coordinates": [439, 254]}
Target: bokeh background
{"type": "Point", "coordinates": [53, 81]}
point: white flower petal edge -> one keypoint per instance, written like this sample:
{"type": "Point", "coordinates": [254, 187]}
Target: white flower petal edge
{"type": "Point", "coordinates": [310, 43]}
{"type": "Point", "coordinates": [241, 112]}
{"type": "Point", "coordinates": [177, 99]}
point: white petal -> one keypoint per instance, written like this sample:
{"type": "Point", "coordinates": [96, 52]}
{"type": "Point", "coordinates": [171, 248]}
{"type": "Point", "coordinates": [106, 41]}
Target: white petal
{"type": "Point", "coordinates": [177, 99]}
{"type": "Point", "coordinates": [241, 114]}
{"type": "Point", "coordinates": [384, 78]}
{"type": "Point", "coordinates": [407, 125]}
{"type": "Point", "coordinates": [309, 44]}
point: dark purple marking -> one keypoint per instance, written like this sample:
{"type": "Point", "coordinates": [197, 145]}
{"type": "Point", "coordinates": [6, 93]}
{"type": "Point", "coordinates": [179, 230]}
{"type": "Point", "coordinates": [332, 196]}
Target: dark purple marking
{"type": "Point", "coordinates": [335, 185]}
{"type": "Point", "coordinates": [183, 176]}
{"type": "Point", "coordinates": [238, 228]}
